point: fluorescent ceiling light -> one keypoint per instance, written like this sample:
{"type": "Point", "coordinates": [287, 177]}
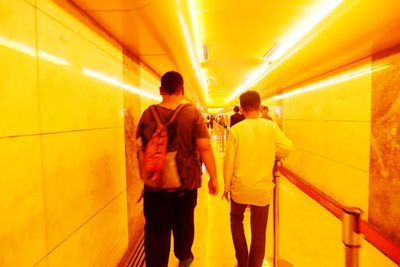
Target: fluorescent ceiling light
{"type": "Point", "coordinates": [205, 51]}
{"type": "Point", "coordinates": [255, 77]}
{"type": "Point", "coordinates": [295, 35]}
{"type": "Point", "coordinates": [195, 29]}
{"type": "Point", "coordinates": [113, 81]}
{"type": "Point", "coordinates": [332, 81]}
{"type": "Point", "coordinates": [302, 27]}
{"type": "Point", "coordinates": [193, 56]}
{"type": "Point", "coordinates": [30, 51]}
{"type": "Point", "coordinates": [271, 52]}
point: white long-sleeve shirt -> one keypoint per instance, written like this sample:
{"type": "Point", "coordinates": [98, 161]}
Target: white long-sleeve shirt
{"type": "Point", "coordinates": [251, 149]}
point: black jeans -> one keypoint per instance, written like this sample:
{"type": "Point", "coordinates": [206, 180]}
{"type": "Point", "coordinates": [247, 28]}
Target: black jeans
{"type": "Point", "coordinates": [258, 221]}
{"type": "Point", "coordinates": [166, 211]}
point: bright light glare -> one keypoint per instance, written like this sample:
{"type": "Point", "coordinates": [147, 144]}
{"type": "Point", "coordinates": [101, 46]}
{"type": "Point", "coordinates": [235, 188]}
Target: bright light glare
{"type": "Point", "coordinates": [214, 110]}
{"type": "Point", "coordinates": [192, 55]}
{"type": "Point", "coordinates": [195, 29]}
{"type": "Point", "coordinates": [265, 264]}
{"type": "Point", "coordinates": [53, 59]}
{"type": "Point", "coordinates": [332, 81]}
{"type": "Point", "coordinates": [253, 79]}
{"type": "Point", "coordinates": [30, 51]}
{"type": "Point", "coordinates": [302, 28]}
{"type": "Point", "coordinates": [128, 87]}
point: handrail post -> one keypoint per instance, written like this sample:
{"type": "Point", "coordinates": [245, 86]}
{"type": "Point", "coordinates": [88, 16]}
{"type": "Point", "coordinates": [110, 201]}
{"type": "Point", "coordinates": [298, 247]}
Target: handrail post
{"type": "Point", "coordinates": [276, 261]}
{"type": "Point", "coordinates": [351, 235]}
{"type": "Point", "coordinates": [276, 214]}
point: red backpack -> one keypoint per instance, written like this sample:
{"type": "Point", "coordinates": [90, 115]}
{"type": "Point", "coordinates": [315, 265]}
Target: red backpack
{"type": "Point", "coordinates": [158, 166]}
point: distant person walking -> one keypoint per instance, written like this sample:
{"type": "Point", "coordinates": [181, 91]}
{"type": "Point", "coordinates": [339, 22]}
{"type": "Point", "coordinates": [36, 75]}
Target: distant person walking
{"type": "Point", "coordinates": [264, 113]}
{"type": "Point", "coordinates": [251, 150]}
{"type": "Point", "coordinates": [236, 117]}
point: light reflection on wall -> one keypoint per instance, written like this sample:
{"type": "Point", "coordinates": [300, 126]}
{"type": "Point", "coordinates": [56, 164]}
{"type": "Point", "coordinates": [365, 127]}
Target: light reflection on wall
{"type": "Point", "coordinates": [30, 51]}
{"type": "Point", "coordinates": [334, 80]}
{"type": "Point", "coordinates": [110, 80]}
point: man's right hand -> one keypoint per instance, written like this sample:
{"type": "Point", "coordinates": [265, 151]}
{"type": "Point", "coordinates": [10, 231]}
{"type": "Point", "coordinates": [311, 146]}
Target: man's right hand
{"type": "Point", "coordinates": [226, 196]}
{"type": "Point", "coordinates": [213, 187]}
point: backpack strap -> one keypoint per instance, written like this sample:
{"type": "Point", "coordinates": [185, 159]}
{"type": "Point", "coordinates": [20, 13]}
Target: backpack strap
{"type": "Point", "coordinates": [155, 114]}
{"type": "Point", "coordinates": [174, 114]}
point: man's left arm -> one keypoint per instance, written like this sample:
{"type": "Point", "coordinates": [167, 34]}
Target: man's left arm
{"type": "Point", "coordinates": [229, 164]}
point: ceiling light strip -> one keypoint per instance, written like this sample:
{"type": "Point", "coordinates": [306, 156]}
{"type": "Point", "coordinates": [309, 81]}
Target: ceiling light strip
{"type": "Point", "coordinates": [335, 80]}
{"type": "Point", "coordinates": [115, 82]}
{"type": "Point", "coordinates": [254, 78]}
{"type": "Point", "coordinates": [193, 56]}
{"type": "Point", "coordinates": [195, 29]}
{"type": "Point", "coordinates": [302, 28]}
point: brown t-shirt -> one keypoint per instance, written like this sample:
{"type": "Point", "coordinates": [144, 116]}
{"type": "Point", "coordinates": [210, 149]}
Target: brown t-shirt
{"type": "Point", "coordinates": [188, 126]}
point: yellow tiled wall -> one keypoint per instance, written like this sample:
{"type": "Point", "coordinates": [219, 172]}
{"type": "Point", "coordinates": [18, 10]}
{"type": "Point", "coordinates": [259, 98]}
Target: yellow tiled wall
{"type": "Point", "coordinates": [151, 84]}
{"type": "Point", "coordinates": [331, 132]}
{"type": "Point", "coordinates": [63, 199]}
{"type": "Point", "coordinates": [330, 129]}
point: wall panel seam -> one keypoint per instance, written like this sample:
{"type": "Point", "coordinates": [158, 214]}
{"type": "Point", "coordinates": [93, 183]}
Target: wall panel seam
{"type": "Point", "coordinates": [82, 225]}
{"type": "Point", "coordinates": [333, 160]}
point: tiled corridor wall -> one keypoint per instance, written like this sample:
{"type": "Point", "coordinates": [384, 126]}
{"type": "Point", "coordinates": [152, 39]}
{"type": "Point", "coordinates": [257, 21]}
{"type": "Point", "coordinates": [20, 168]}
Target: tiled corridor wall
{"type": "Point", "coordinates": [63, 174]}
{"type": "Point", "coordinates": [331, 131]}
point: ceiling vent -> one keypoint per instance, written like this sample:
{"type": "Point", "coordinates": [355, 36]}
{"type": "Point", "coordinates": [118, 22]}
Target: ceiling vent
{"type": "Point", "coordinates": [205, 52]}
{"type": "Point", "coordinates": [270, 52]}
{"type": "Point", "coordinates": [212, 80]}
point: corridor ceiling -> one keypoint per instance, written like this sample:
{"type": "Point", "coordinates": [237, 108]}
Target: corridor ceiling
{"type": "Point", "coordinates": [239, 35]}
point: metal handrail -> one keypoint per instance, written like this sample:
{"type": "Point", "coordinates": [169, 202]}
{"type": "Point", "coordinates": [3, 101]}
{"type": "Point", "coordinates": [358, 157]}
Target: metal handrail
{"type": "Point", "coordinates": [370, 233]}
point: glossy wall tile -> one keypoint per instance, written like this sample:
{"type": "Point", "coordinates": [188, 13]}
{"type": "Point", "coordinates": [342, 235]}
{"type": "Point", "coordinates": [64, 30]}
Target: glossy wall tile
{"type": "Point", "coordinates": [63, 171]}
{"type": "Point", "coordinates": [83, 171]}
{"type": "Point", "coordinates": [151, 84]}
{"type": "Point", "coordinates": [22, 224]}
{"type": "Point", "coordinates": [326, 138]}
{"type": "Point", "coordinates": [348, 100]}
{"type": "Point", "coordinates": [330, 128]}
{"type": "Point", "coordinates": [343, 150]}
{"type": "Point", "coordinates": [19, 97]}
{"type": "Point", "coordinates": [89, 245]}
{"type": "Point", "coordinates": [66, 14]}
{"type": "Point", "coordinates": [73, 94]}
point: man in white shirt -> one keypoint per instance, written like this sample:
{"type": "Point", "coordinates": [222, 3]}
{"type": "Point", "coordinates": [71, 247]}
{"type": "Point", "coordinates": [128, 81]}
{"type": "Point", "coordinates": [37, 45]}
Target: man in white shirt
{"type": "Point", "coordinates": [252, 148]}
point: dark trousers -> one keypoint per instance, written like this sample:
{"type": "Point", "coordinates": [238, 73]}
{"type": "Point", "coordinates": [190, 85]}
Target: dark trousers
{"type": "Point", "coordinates": [166, 211]}
{"type": "Point", "coordinates": [258, 221]}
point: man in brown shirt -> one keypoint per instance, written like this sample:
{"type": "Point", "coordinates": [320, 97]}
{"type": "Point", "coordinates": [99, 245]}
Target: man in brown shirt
{"type": "Point", "coordinates": [167, 210]}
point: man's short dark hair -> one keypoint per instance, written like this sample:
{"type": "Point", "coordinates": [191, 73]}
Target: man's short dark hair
{"type": "Point", "coordinates": [171, 82]}
{"type": "Point", "coordinates": [264, 107]}
{"type": "Point", "coordinates": [250, 101]}
{"type": "Point", "coordinates": [236, 108]}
